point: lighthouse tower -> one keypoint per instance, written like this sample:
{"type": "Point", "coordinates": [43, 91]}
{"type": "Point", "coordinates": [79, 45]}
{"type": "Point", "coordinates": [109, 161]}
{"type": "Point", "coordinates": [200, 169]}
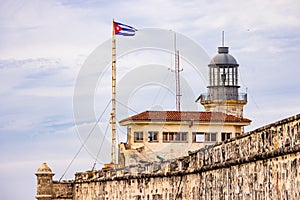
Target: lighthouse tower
{"type": "Point", "coordinates": [223, 95]}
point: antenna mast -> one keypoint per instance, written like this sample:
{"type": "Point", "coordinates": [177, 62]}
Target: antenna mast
{"type": "Point", "coordinates": [177, 75]}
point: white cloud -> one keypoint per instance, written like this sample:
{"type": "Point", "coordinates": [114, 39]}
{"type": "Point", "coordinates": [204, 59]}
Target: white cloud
{"type": "Point", "coordinates": [40, 28]}
{"type": "Point", "coordinates": [36, 94]}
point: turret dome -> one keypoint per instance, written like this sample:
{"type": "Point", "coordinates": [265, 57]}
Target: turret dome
{"type": "Point", "coordinates": [223, 57]}
{"type": "Point", "coordinates": [44, 169]}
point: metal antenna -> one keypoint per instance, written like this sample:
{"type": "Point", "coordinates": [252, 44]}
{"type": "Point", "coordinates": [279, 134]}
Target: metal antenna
{"type": "Point", "coordinates": [177, 74]}
{"type": "Point", "coordinates": [222, 38]}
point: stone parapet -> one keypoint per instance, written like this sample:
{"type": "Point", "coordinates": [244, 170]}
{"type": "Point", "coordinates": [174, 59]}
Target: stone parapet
{"type": "Point", "coordinates": [63, 190]}
{"type": "Point", "coordinates": [261, 164]}
{"type": "Point", "coordinates": [277, 139]}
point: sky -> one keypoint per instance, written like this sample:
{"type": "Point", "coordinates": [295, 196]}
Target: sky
{"type": "Point", "coordinates": [46, 46]}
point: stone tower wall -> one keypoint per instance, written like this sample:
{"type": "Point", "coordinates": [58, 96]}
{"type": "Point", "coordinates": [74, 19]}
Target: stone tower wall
{"type": "Point", "coordinates": [262, 164]}
{"type": "Point", "coordinates": [44, 183]}
{"type": "Point", "coordinates": [229, 107]}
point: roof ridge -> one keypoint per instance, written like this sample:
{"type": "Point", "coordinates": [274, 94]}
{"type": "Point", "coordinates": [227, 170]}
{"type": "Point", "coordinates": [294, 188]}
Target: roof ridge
{"type": "Point", "coordinates": [184, 116]}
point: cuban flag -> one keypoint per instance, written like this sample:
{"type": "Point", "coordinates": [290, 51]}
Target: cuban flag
{"type": "Point", "coordinates": [123, 29]}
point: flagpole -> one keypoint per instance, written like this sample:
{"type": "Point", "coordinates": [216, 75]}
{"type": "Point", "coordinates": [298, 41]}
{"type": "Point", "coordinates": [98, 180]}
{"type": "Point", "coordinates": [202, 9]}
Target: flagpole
{"type": "Point", "coordinates": [125, 30]}
{"type": "Point", "coordinates": [113, 100]}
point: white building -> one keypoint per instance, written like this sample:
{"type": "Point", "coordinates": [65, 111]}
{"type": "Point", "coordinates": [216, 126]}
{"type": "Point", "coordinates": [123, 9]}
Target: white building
{"type": "Point", "coordinates": [159, 135]}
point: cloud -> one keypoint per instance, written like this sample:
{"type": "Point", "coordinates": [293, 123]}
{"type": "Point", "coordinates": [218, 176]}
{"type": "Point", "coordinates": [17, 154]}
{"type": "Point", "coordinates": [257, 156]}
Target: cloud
{"type": "Point", "coordinates": [44, 43]}
{"type": "Point", "coordinates": [33, 91]}
{"type": "Point", "coordinates": [39, 28]}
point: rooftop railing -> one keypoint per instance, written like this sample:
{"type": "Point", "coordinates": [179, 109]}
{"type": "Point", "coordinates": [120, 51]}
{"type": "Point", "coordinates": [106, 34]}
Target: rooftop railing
{"type": "Point", "coordinates": [229, 96]}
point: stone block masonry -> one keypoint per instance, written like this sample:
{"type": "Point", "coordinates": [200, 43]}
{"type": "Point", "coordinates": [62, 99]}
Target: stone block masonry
{"type": "Point", "coordinates": [262, 164]}
{"type": "Point", "coordinates": [63, 190]}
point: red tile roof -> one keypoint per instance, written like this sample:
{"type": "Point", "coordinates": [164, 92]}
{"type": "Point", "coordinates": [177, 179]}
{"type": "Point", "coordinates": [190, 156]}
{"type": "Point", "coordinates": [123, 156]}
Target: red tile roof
{"type": "Point", "coordinates": [184, 116]}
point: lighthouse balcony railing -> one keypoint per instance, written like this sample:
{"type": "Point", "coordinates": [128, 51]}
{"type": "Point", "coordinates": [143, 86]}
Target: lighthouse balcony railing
{"type": "Point", "coordinates": [211, 97]}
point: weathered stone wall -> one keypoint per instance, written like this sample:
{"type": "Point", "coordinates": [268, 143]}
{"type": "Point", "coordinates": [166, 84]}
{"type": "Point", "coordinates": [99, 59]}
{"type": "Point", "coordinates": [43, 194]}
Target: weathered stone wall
{"type": "Point", "coordinates": [262, 164]}
{"type": "Point", "coordinates": [63, 190]}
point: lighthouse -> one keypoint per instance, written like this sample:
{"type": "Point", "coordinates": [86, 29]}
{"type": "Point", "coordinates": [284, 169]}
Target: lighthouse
{"type": "Point", "coordinates": [223, 89]}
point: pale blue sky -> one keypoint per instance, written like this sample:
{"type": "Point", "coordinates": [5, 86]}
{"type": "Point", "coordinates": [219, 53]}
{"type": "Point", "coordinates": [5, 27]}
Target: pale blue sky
{"type": "Point", "coordinates": [43, 45]}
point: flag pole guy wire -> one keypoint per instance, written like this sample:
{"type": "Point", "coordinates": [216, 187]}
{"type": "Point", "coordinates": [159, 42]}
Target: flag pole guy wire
{"type": "Point", "coordinates": [82, 145]}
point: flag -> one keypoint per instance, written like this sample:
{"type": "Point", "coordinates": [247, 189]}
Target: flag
{"type": "Point", "coordinates": [123, 29]}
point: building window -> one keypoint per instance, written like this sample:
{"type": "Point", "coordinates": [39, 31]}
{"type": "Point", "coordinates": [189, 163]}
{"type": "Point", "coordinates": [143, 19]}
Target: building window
{"type": "Point", "coordinates": [174, 136]}
{"type": "Point", "coordinates": [198, 137]}
{"type": "Point", "coordinates": [204, 137]}
{"type": "Point", "coordinates": [210, 137]}
{"type": "Point", "coordinates": [225, 136]}
{"type": "Point", "coordinates": [153, 136]}
{"type": "Point", "coordinates": [237, 134]}
{"type": "Point", "coordinates": [138, 136]}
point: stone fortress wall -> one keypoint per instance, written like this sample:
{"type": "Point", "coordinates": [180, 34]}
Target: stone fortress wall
{"type": "Point", "coordinates": [261, 164]}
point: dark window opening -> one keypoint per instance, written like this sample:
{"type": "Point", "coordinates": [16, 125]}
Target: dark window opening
{"type": "Point", "coordinates": [226, 136]}
{"type": "Point", "coordinates": [174, 136]}
{"type": "Point", "coordinates": [138, 137]}
{"type": "Point", "coordinates": [153, 136]}
{"type": "Point", "coordinates": [211, 137]}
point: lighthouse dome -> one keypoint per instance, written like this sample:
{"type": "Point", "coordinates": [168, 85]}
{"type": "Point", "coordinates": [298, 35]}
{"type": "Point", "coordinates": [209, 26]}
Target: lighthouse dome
{"type": "Point", "coordinates": [223, 58]}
